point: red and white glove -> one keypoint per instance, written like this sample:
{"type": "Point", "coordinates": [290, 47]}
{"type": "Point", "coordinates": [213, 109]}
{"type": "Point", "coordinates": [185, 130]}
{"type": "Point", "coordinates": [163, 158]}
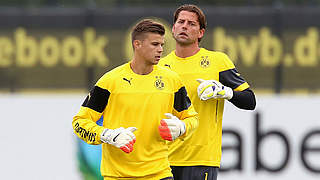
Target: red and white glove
{"type": "Point", "coordinates": [213, 89]}
{"type": "Point", "coordinates": [171, 128]}
{"type": "Point", "coordinates": [120, 138]}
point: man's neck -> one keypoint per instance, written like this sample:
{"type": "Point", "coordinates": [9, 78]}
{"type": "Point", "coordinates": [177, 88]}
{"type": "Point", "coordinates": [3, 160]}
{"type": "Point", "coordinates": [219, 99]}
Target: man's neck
{"type": "Point", "coordinates": [140, 67]}
{"type": "Point", "coordinates": [186, 51]}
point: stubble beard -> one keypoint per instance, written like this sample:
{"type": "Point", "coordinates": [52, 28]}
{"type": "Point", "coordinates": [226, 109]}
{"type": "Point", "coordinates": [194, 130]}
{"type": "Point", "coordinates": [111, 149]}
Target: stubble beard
{"type": "Point", "coordinates": [183, 42]}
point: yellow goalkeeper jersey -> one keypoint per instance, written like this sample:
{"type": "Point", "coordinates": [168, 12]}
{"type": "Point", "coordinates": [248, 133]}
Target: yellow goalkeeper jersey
{"type": "Point", "coordinates": [204, 146]}
{"type": "Point", "coordinates": [126, 99]}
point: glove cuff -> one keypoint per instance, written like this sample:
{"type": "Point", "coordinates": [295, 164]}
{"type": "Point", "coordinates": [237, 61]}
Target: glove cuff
{"type": "Point", "coordinates": [182, 128]}
{"type": "Point", "coordinates": [105, 136]}
{"type": "Point", "coordinates": [229, 92]}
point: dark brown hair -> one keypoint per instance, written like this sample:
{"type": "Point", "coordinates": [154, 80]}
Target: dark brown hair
{"type": "Point", "coordinates": [146, 26]}
{"type": "Point", "coordinates": [195, 9]}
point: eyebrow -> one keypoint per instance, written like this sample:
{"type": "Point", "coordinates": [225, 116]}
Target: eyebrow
{"type": "Point", "coordinates": [187, 20]}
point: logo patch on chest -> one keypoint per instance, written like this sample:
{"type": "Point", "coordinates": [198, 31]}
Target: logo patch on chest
{"type": "Point", "coordinates": [159, 84]}
{"type": "Point", "coordinates": [204, 62]}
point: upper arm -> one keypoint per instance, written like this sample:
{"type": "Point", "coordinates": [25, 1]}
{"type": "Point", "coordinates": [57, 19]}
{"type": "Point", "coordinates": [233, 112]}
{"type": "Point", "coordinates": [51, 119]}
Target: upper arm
{"type": "Point", "coordinates": [181, 100]}
{"type": "Point", "coordinates": [229, 76]}
{"type": "Point", "coordinates": [97, 99]}
{"type": "Point", "coordinates": [184, 110]}
{"type": "Point", "coordinates": [233, 79]}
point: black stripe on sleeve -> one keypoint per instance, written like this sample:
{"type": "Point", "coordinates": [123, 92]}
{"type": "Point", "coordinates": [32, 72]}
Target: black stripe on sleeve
{"type": "Point", "coordinates": [244, 99]}
{"type": "Point", "coordinates": [181, 100]}
{"type": "Point", "coordinates": [97, 99]}
{"type": "Point", "coordinates": [231, 78]}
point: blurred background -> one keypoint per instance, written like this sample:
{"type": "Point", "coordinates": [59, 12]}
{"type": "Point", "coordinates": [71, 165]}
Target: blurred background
{"type": "Point", "coordinates": [53, 51]}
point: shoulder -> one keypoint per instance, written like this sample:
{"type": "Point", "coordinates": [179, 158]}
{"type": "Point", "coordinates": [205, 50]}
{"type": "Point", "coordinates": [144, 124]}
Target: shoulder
{"type": "Point", "coordinates": [167, 72]}
{"type": "Point", "coordinates": [219, 58]}
{"type": "Point", "coordinates": [171, 77]}
{"type": "Point", "coordinates": [167, 59]}
{"type": "Point", "coordinates": [110, 76]}
{"type": "Point", "coordinates": [216, 54]}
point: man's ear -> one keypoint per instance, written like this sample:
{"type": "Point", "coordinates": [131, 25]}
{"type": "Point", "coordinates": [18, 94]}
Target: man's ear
{"type": "Point", "coordinates": [173, 29]}
{"type": "Point", "coordinates": [136, 44]}
{"type": "Point", "coordinates": [201, 33]}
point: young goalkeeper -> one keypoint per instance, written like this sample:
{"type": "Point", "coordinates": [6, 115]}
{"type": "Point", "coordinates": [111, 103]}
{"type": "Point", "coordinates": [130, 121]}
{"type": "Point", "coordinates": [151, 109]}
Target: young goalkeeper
{"type": "Point", "coordinates": [143, 106]}
{"type": "Point", "coordinates": [210, 78]}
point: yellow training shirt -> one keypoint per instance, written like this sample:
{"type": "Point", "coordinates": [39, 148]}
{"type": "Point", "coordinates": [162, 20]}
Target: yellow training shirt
{"type": "Point", "coordinates": [204, 146]}
{"type": "Point", "coordinates": [126, 99]}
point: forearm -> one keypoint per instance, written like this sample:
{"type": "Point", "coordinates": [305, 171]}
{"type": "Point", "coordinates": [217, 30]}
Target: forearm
{"type": "Point", "coordinates": [244, 99]}
{"type": "Point", "coordinates": [86, 128]}
{"type": "Point", "coordinates": [191, 122]}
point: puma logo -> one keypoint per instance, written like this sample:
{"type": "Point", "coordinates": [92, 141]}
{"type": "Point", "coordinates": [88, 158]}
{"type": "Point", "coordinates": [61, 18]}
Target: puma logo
{"type": "Point", "coordinates": [129, 81]}
{"type": "Point", "coordinates": [168, 65]}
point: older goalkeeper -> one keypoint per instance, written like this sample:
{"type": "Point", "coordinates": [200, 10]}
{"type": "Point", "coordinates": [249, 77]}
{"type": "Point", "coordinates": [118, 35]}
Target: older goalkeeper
{"type": "Point", "coordinates": [210, 78]}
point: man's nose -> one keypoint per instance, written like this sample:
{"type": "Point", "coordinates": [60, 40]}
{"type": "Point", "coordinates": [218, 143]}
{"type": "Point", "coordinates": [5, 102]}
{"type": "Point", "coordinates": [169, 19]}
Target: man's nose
{"type": "Point", "coordinates": [184, 25]}
{"type": "Point", "coordinates": [160, 49]}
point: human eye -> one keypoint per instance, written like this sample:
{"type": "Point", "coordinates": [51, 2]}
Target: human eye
{"type": "Point", "coordinates": [193, 23]}
{"type": "Point", "coordinates": [155, 43]}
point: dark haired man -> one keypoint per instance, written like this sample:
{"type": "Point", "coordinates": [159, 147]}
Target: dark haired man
{"type": "Point", "coordinates": [142, 105]}
{"type": "Point", "coordinates": [210, 78]}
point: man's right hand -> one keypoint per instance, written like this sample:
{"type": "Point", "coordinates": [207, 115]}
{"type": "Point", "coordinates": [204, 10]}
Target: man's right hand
{"type": "Point", "coordinates": [213, 89]}
{"type": "Point", "coordinates": [120, 138]}
{"type": "Point", "coordinates": [171, 127]}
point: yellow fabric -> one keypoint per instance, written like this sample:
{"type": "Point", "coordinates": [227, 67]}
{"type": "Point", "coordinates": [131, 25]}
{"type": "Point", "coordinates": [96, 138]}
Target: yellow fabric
{"type": "Point", "coordinates": [204, 146]}
{"type": "Point", "coordinates": [84, 125]}
{"type": "Point", "coordinates": [140, 103]}
{"type": "Point", "coordinates": [164, 174]}
{"type": "Point", "coordinates": [242, 87]}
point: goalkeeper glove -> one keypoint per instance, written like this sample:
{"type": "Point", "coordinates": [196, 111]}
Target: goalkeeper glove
{"type": "Point", "coordinates": [171, 128]}
{"type": "Point", "coordinates": [213, 89]}
{"type": "Point", "coordinates": [120, 138]}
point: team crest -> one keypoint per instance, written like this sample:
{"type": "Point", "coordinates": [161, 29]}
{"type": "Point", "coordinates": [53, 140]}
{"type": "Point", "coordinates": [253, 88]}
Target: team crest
{"type": "Point", "coordinates": [205, 62]}
{"type": "Point", "coordinates": [159, 84]}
